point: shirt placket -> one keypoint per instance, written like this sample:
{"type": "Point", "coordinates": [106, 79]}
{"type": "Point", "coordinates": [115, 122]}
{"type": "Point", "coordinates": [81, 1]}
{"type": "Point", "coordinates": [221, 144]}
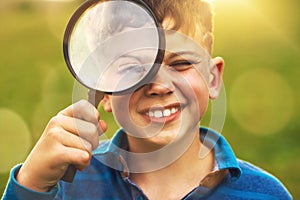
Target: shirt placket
{"type": "Point", "coordinates": [207, 184]}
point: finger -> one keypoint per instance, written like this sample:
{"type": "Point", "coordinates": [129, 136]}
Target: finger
{"type": "Point", "coordinates": [82, 110]}
{"type": "Point", "coordinates": [75, 141]}
{"type": "Point", "coordinates": [103, 126]}
{"type": "Point", "coordinates": [77, 157]}
{"type": "Point", "coordinates": [86, 130]}
{"type": "Point", "coordinates": [60, 136]}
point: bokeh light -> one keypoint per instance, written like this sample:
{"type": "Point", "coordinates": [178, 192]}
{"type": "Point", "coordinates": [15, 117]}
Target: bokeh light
{"type": "Point", "coordinates": [261, 101]}
{"type": "Point", "coordinates": [54, 97]}
{"type": "Point", "coordinates": [15, 139]}
{"type": "Point", "coordinates": [57, 14]}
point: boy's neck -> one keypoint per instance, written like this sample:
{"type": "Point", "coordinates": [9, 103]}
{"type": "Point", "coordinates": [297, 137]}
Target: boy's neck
{"type": "Point", "coordinates": [178, 178]}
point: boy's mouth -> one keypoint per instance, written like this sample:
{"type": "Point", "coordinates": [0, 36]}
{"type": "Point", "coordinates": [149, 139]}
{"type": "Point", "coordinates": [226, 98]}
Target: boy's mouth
{"type": "Point", "coordinates": [163, 114]}
{"type": "Point", "coordinates": [159, 113]}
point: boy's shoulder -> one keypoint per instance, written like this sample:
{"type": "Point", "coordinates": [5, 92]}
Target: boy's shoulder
{"type": "Point", "coordinates": [250, 170]}
{"type": "Point", "coordinates": [259, 182]}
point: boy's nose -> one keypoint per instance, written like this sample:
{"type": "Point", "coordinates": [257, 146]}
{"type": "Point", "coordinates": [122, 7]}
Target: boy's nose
{"type": "Point", "coordinates": [161, 84]}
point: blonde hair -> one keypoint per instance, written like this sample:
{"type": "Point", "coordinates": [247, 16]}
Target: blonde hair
{"type": "Point", "coordinates": [193, 17]}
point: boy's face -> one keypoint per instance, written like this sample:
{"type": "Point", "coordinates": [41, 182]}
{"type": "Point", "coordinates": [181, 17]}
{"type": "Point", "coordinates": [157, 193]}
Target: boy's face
{"type": "Point", "coordinates": [172, 105]}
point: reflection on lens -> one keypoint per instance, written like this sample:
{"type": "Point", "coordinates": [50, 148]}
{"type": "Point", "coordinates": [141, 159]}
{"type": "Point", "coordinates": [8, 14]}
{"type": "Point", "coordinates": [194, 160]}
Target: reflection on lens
{"type": "Point", "coordinates": [103, 33]}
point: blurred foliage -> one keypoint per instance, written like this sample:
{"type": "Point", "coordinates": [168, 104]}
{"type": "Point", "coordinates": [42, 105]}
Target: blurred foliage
{"type": "Point", "coordinates": [249, 35]}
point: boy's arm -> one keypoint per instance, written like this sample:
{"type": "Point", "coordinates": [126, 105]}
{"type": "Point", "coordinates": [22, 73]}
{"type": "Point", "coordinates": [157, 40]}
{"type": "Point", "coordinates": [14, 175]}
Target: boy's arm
{"type": "Point", "coordinates": [15, 191]}
{"type": "Point", "coordinates": [68, 139]}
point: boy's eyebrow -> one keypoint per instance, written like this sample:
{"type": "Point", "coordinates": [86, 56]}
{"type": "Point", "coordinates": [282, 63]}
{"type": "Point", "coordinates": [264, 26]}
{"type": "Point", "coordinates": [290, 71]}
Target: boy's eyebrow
{"type": "Point", "coordinates": [168, 55]}
{"type": "Point", "coordinates": [171, 55]}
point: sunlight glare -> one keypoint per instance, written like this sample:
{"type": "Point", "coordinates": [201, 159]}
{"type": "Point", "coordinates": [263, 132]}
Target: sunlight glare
{"type": "Point", "coordinates": [59, 0]}
{"type": "Point", "coordinates": [227, 1]}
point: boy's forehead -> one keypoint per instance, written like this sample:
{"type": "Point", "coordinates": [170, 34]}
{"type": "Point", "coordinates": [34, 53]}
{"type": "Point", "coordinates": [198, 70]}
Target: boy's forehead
{"type": "Point", "coordinates": [179, 42]}
{"type": "Point", "coordinates": [182, 36]}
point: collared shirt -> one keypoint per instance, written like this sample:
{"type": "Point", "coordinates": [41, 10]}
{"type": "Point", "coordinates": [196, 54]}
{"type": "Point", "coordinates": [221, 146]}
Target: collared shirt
{"type": "Point", "coordinates": [108, 177]}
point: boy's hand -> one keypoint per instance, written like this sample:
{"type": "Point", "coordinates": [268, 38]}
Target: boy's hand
{"type": "Point", "coordinates": [69, 138]}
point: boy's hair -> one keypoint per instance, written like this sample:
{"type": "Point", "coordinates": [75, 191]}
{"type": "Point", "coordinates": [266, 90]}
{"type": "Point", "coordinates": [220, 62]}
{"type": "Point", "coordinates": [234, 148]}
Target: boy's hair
{"type": "Point", "coordinates": [193, 17]}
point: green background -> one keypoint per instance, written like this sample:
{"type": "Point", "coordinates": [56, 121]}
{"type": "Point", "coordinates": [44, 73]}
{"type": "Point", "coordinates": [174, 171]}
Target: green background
{"type": "Point", "coordinates": [259, 41]}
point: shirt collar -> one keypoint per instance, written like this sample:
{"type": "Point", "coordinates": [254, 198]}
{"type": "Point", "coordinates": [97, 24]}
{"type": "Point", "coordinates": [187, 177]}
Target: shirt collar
{"type": "Point", "coordinates": [110, 152]}
{"type": "Point", "coordinates": [224, 155]}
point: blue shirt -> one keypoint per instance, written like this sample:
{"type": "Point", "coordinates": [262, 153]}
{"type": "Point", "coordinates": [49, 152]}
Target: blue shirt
{"type": "Point", "coordinates": [231, 178]}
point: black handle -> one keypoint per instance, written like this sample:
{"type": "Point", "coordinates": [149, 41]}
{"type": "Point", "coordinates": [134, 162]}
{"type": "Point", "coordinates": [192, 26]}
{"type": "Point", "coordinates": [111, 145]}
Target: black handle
{"type": "Point", "coordinates": [94, 97]}
{"type": "Point", "coordinates": [69, 174]}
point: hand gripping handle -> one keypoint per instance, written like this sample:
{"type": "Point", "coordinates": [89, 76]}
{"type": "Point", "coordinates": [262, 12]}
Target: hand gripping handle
{"type": "Point", "coordinates": [94, 97]}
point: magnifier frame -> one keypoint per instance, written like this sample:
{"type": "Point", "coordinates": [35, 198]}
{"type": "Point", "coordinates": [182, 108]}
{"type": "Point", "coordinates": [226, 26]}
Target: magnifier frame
{"type": "Point", "coordinates": [72, 23]}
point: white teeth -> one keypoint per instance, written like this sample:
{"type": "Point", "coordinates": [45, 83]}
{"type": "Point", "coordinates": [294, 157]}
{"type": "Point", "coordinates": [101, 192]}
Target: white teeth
{"type": "Point", "coordinates": [151, 114]}
{"type": "Point", "coordinates": [158, 113]}
{"type": "Point", "coordinates": [167, 113]}
{"type": "Point", "coordinates": [162, 113]}
{"type": "Point", "coordinates": [174, 110]}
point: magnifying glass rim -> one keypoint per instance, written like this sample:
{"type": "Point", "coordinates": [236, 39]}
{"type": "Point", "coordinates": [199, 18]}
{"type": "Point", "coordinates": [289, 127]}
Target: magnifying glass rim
{"type": "Point", "coordinates": [72, 23]}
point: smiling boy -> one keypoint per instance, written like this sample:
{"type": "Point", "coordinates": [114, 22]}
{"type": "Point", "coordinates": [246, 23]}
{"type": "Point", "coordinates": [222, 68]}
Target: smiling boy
{"type": "Point", "coordinates": [160, 152]}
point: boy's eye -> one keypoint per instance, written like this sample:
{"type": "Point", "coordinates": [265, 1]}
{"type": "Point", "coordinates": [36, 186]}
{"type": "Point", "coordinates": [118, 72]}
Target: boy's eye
{"type": "Point", "coordinates": [132, 68]}
{"type": "Point", "coordinates": [182, 65]}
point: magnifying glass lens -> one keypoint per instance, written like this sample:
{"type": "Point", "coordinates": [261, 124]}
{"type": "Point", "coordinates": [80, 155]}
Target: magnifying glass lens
{"type": "Point", "coordinates": [112, 46]}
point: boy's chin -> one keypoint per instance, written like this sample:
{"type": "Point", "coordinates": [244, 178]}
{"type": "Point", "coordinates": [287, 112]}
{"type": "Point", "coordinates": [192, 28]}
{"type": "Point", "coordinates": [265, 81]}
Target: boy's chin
{"type": "Point", "coordinates": [163, 138]}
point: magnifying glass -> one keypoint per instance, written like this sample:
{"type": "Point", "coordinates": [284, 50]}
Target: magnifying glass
{"type": "Point", "coordinates": [112, 46]}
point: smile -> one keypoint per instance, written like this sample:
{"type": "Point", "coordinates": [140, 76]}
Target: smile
{"type": "Point", "coordinates": [160, 113]}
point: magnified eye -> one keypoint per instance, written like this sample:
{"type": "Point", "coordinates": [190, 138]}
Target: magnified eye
{"type": "Point", "coordinates": [132, 68]}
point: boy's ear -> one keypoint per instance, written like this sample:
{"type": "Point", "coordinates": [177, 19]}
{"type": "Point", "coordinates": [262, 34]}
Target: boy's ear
{"type": "Point", "coordinates": [106, 103]}
{"type": "Point", "coordinates": [215, 77]}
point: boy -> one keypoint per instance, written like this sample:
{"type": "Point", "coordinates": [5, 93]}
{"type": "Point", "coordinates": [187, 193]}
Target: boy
{"type": "Point", "coordinates": [160, 152]}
